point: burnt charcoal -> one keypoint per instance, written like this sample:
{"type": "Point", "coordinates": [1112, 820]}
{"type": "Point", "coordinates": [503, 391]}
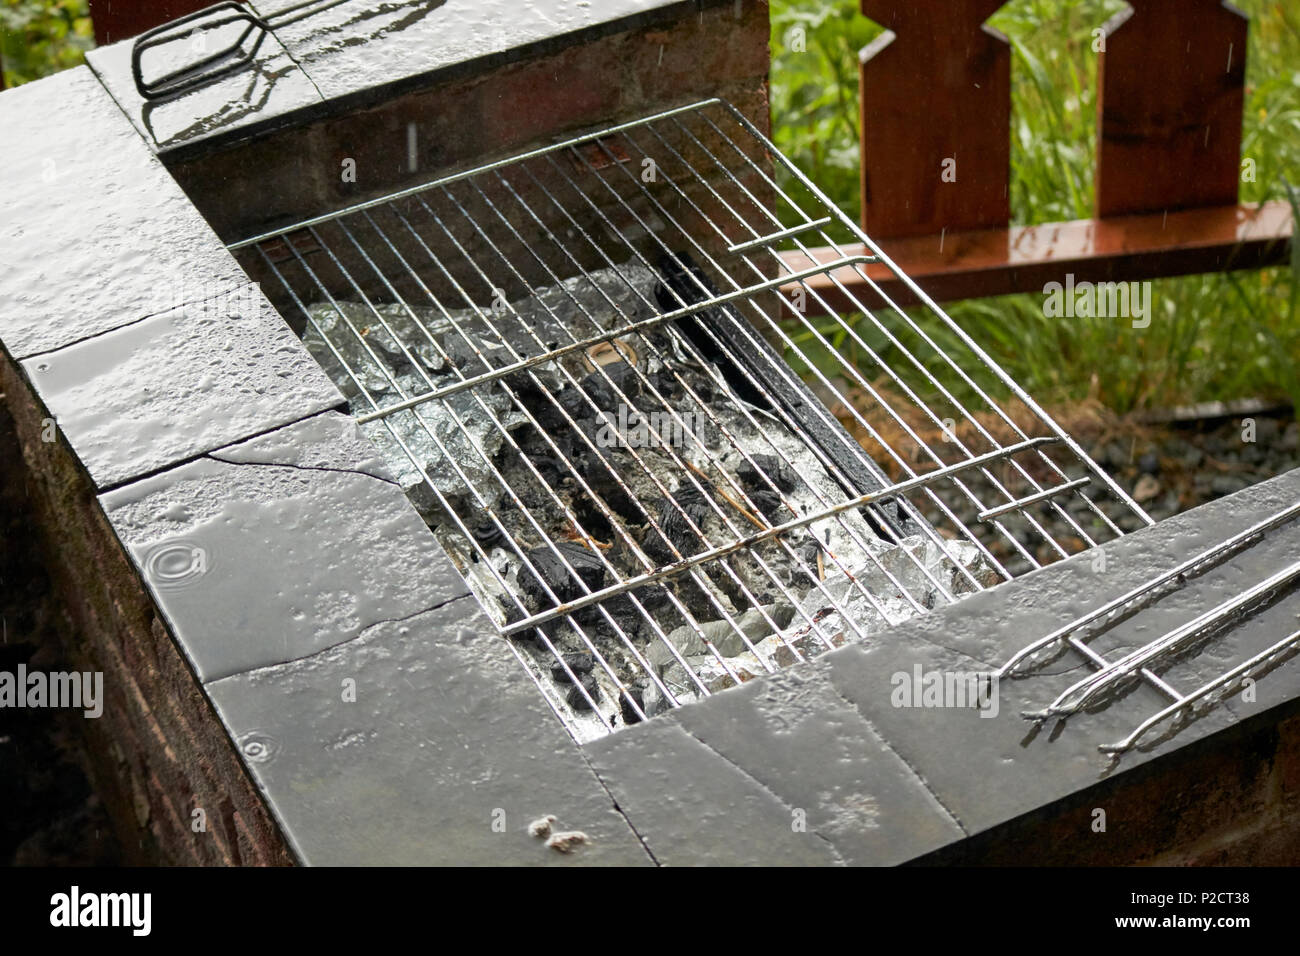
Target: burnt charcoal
{"type": "Point", "coordinates": [770, 505]}
{"type": "Point", "coordinates": [395, 360]}
{"type": "Point", "coordinates": [488, 534]}
{"type": "Point", "coordinates": [625, 700]}
{"type": "Point", "coordinates": [475, 361]}
{"type": "Point", "coordinates": [682, 281]}
{"type": "Point", "coordinates": [538, 453]}
{"type": "Point", "coordinates": [695, 597]}
{"type": "Point", "coordinates": [673, 514]}
{"type": "Point", "coordinates": [561, 581]}
{"type": "Point", "coordinates": [600, 386]}
{"type": "Point", "coordinates": [580, 663]}
{"type": "Point", "coordinates": [575, 697]}
{"type": "Point", "coordinates": [624, 615]}
{"type": "Point", "coordinates": [574, 402]}
{"type": "Point", "coordinates": [591, 519]}
{"type": "Point", "coordinates": [540, 404]}
{"type": "Point", "coordinates": [513, 614]}
{"type": "Point", "coordinates": [664, 383]}
{"type": "Point", "coordinates": [781, 474]}
{"type": "Point", "coordinates": [531, 638]}
{"type": "Point", "coordinates": [653, 597]}
{"type": "Point", "coordinates": [596, 471]}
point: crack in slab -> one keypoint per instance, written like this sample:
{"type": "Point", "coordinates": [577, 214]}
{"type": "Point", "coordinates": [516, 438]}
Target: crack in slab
{"type": "Point", "coordinates": [921, 636]}
{"type": "Point", "coordinates": [889, 746]}
{"type": "Point", "coordinates": [839, 860]}
{"type": "Point", "coordinates": [331, 647]}
{"type": "Point", "coordinates": [613, 802]}
{"type": "Point", "coordinates": [130, 323]}
{"type": "Point", "coordinates": [216, 456]}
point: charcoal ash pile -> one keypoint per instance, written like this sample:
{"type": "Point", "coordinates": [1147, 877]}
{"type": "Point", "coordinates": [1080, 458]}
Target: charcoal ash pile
{"type": "Point", "coordinates": [603, 465]}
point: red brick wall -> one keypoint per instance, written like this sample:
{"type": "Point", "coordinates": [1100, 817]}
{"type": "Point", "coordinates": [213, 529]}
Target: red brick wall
{"type": "Point", "coordinates": [158, 752]}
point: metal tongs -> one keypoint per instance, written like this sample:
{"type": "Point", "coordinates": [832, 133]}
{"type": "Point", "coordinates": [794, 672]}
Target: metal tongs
{"type": "Point", "coordinates": [230, 59]}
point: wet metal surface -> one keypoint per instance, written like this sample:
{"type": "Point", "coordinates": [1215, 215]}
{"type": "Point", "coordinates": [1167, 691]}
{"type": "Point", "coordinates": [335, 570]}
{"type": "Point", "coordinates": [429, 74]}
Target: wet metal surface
{"type": "Point", "coordinates": [94, 233]}
{"type": "Point", "coordinates": [272, 87]}
{"type": "Point", "coordinates": [294, 550]}
{"type": "Point", "coordinates": [179, 384]}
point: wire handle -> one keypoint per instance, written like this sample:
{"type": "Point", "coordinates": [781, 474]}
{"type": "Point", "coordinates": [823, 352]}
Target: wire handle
{"type": "Point", "coordinates": [230, 59]}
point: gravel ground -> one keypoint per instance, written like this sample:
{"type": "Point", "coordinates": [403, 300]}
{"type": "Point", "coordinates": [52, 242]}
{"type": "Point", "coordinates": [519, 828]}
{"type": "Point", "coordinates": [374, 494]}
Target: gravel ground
{"type": "Point", "coordinates": [1178, 468]}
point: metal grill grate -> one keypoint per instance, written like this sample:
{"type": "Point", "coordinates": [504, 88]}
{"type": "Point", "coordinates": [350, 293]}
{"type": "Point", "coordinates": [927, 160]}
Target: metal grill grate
{"type": "Point", "coordinates": [587, 365]}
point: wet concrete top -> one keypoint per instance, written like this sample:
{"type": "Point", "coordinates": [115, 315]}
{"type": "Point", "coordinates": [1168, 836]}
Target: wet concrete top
{"type": "Point", "coordinates": [94, 232]}
{"type": "Point", "coordinates": [167, 388]}
{"type": "Point", "coordinates": [361, 52]}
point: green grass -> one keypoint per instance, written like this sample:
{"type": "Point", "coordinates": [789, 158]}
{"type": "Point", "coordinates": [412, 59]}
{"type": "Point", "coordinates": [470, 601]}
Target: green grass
{"type": "Point", "coordinates": [1218, 336]}
{"type": "Point", "coordinates": [40, 37]}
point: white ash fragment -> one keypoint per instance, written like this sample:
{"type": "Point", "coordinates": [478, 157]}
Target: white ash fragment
{"type": "Point", "coordinates": [542, 827]}
{"type": "Point", "coordinates": [566, 840]}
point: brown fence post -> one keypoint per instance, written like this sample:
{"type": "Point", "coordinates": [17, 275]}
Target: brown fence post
{"type": "Point", "coordinates": [1171, 81]}
{"type": "Point", "coordinates": [936, 119]}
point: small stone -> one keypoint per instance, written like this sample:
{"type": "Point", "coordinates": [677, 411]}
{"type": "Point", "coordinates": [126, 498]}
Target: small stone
{"type": "Point", "coordinates": [542, 827]}
{"type": "Point", "coordinates": [566, 840]}
{"type": "Point", "coordinates": [1149, 463]}
{"type": "Point", "coordinates": [1147, 488]}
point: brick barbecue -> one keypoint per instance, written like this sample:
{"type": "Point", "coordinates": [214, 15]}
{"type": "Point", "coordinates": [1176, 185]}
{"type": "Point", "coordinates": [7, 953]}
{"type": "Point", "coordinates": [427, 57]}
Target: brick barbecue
{"type": "Point", "coordinates": [329, 345]}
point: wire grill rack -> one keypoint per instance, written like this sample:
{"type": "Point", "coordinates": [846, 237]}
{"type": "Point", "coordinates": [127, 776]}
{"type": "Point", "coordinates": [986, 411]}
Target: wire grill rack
{"type": "Point", "coordinates": [506, 332]}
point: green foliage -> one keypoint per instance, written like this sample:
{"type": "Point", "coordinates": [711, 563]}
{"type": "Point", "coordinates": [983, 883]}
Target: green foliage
{"type": "Point", "coordinates": [40, 37]}
{"type": "Point", "coordinates": [1216, 336]}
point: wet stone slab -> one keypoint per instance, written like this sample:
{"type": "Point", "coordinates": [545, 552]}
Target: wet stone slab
{"type": "Point", "coordinates": [179, 384]}
{"type": "Point", "coordinates": [328, 441]}
{"type": "Point", "coordinates": [443, 755]}
{"type": "Point", "coordinates": [94, 232]}
{"type": "Point", "coordinates": [260, 563]}
{"type": "Point", "coordinates": [796, 742]}
{"type": "Point", "coordinates": [693, 808]}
